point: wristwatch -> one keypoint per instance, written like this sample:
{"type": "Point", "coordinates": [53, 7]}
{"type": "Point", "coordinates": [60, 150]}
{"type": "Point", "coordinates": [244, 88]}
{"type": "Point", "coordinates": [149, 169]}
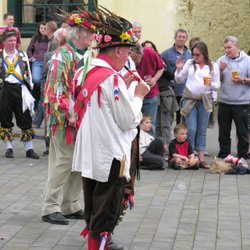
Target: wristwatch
{"type": "Point", "coordinates": [243, 81]}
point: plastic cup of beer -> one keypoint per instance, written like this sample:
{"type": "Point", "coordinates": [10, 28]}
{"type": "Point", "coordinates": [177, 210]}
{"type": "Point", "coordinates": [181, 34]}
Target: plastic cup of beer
{"type": "Point", "coordinates": [234, 74]}
{"type": "Point", "coordinates": [207, 80]}
{"type": "Point", "coordinates": [147, 78]}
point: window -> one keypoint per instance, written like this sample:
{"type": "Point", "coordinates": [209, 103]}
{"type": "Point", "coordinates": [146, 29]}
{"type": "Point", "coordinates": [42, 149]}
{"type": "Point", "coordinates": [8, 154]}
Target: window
{"type": "Point", "coordinates": [34, 11]}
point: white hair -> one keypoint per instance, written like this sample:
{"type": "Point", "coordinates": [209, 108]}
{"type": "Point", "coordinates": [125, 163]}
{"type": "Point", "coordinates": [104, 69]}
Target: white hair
{"type": "Point", "coordinates": [73, 33]}
{"type": "Point", "coordinates": [59, 31]}
{"type": "Point", "coordinates": [136, 24]}
{"type": "Point", "coordinates": [231, 39]}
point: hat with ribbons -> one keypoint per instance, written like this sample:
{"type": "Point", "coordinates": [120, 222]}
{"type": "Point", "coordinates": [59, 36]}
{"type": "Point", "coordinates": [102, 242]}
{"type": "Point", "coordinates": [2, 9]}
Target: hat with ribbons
{"type": "Point", "coordinates": [112, 30]}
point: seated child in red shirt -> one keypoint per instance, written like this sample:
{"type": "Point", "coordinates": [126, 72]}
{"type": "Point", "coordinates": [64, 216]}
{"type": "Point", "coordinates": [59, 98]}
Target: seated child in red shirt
{"type": "Point", "coordinates": [181, 155]}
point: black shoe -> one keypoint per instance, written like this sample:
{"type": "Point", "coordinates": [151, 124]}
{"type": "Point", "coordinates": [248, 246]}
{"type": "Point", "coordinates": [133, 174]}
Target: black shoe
{"type": "Point", "coordinates": [55, 218]}
{"type": "Point", "coordinates": [195, 167]}
{"type": "Point", "coordinates": [222, 156]}
{"type": "Point", "coordinates": [177, 167]}
{"type": "Point", "coordinates": [45, 153]}
{"type": "Point", "coordinates": [79, 215]}
{"type": "Point", "coordinates": [31, 154]}
{"type": "Point", "coordinates": [113, 246]}
{"type": "Point", "coordinates": [246, 157]}
{"type": "Point", "coordinates": [9, 153]}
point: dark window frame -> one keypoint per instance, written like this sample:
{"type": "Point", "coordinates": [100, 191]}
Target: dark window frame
{"type": "Point", "coordinates": [27, 30]}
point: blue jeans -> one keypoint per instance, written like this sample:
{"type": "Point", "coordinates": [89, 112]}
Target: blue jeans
{"type": "Point", "coordinates": [39, 116]}
{"type": "Point", "coordinates": [197, 122]}
{"type": "Point", "coordinates": [149, 107]}
{"type": "Point", "coordinates": [37, 69]}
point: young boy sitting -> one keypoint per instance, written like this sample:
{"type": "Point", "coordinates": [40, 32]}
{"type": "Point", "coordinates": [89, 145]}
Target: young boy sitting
{"type": "Point", "coordinates": [151, 150]}
{"type": "Point", "coordinates": [181, 155]}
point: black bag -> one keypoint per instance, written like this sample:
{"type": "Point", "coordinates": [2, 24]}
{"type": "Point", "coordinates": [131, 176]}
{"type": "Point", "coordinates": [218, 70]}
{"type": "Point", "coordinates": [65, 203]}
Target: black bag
{"type": "Point", "coordinates": [165, 81]}
{"type": "Point", "coordinates": [168, 72]}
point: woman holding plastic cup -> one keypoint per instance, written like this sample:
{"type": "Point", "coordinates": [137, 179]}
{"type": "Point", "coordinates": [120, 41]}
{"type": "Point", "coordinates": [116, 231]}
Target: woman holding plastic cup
{"type": "Point", "coordinates": [202, 77]}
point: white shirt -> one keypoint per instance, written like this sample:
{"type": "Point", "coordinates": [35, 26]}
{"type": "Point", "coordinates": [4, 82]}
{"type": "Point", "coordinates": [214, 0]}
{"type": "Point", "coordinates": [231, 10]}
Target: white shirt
{"type": "Point", "coordinates": [131, 65]}
{"type": "Point", "coordinates": [106, 132]}
{"type": "Point", "coordinates": [145, 140]}
{"type": "Point", "coordinates": [27, 98]}
{"type": "Point", "coordinates": [194, 78]}
{"type": "Point", "coordinates": [10, 78]}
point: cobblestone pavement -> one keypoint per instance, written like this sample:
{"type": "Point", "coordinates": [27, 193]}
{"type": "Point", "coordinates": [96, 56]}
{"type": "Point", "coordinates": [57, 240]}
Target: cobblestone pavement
{"type": "Point", "coordinates": [177, 210]}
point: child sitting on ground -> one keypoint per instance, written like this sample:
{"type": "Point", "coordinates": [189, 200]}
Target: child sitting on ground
{"type": "Point", "coordinates": [181, 155]}
{"type": "Point", "coordinates": [151, 150]}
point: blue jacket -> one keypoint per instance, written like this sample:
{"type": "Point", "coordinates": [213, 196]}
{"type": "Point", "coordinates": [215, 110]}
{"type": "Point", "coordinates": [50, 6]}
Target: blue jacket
{"type": "Point", "coordinates": [171, 55]}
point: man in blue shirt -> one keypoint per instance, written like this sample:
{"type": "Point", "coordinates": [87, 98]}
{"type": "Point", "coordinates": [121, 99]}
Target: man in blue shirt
{"type": "Point", "coordinates": [178, 52]}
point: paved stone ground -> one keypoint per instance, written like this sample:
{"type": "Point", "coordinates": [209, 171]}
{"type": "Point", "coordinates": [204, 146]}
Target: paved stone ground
{"type": "Point", "coordinates": [177, 210]}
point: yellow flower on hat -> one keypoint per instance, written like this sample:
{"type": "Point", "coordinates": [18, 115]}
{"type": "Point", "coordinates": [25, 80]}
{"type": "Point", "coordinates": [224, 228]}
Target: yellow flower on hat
{"type": "Point", "coordinates": [77, 20]}
{"type": "Point", "coordinates": [125, 37]}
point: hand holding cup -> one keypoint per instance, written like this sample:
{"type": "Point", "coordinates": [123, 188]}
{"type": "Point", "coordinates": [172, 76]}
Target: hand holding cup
{"type": "Point", "coordinates": [207, 80]}
{"type": "Point", "coordinates": [141, 89]}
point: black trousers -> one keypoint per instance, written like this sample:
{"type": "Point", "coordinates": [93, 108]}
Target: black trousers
{"type": "Point", "coordinates": [239, 114]}
{"type": "Point", "coordinates": [12, 103]}
{"type": "Point", "coordinates": [153, 157]}
{"type": "Point", "coordinates": [178, 112]}
{"type": "Point", "coordinates": [102, 201]}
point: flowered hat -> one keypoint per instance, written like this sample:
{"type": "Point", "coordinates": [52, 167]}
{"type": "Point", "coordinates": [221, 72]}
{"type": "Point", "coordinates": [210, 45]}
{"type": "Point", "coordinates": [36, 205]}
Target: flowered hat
{"type": "Point", "coordinates": [6, 32]}
{"type": "Point", "coordinates": [83, 19]}
{"type": "Point", "coordinates": [112, 30]}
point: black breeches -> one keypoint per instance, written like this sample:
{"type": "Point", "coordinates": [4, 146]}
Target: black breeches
{"type": "Point", "coordinates": [102, 201]}
{"type": "Point", "coordinates": [12, 103]}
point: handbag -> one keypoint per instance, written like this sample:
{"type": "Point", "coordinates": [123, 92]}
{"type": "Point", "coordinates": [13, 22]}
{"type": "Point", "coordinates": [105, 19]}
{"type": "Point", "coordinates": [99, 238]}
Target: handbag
{"type": "Point", "coordinates": [168, 72]}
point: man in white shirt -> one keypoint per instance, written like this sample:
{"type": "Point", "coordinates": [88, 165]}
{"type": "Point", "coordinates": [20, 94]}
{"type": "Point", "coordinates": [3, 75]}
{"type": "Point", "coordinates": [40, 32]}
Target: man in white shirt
{"type": "Point", "coordinates": [107, 123]}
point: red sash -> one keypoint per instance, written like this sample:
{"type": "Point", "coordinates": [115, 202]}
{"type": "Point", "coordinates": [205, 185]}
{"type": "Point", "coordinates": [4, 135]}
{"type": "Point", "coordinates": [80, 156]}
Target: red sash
{"type": "Point", "coordinates": [93, 80]}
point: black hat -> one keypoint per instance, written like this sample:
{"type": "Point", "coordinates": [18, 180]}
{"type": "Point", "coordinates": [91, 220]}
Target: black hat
{"type": "Point", "coordinates": [6, 32]}
{"type": "Point", "coordinates": [112, 30]}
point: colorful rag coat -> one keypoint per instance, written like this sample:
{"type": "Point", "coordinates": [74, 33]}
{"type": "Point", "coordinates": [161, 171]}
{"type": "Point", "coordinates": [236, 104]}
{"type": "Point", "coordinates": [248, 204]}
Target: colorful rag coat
{"type": "Point", "coordinates": [59, 92]}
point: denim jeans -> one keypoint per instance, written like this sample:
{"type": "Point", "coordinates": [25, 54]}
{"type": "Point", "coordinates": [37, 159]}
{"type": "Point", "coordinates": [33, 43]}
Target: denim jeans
{"type": "Point", "coordinates": [149, 107]}
{"type": "Point", "coordinates": [37, 69]}
{"type": "Point", "coordinates": [39, 116]}
{"type": "Point", "coordinates": [197, 122]}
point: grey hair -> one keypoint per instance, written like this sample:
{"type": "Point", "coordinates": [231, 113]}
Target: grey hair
{"type": "Point", "coordinates": [136, 24]}
{"type": "Point", "coordinates": [180, 30]}
{"type": "Point", "coordinates": [58, 31]}
{"type": "Point", "coordinates": [231, 39]}
{"type": "Point", "coordinates": [73, 33]}
{"type": "Point", "coordinates": [137, 49]}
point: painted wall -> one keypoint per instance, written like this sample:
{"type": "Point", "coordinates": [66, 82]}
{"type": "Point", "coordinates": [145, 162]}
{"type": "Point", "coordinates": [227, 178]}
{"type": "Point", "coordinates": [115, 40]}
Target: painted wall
{"type": "Point", "coordinates": [3, 9]}
{"type": "Point", "coordinates": [157, 17]}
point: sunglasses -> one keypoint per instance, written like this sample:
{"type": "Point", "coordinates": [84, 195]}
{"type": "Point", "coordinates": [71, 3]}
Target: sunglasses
{"type": "Point", "coordinates": [195, 54]}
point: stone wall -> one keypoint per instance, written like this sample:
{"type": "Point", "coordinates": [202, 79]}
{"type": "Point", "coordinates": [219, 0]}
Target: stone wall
{"type": "Point", "coordinates": [213, 20]}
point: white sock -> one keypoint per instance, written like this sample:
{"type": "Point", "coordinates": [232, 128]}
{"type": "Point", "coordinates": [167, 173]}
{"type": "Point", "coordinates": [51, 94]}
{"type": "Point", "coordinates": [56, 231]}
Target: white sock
{"type": "Point", "coordinates": [8, 144]}
{"type": "Point", "coordinates": [28, 145]}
